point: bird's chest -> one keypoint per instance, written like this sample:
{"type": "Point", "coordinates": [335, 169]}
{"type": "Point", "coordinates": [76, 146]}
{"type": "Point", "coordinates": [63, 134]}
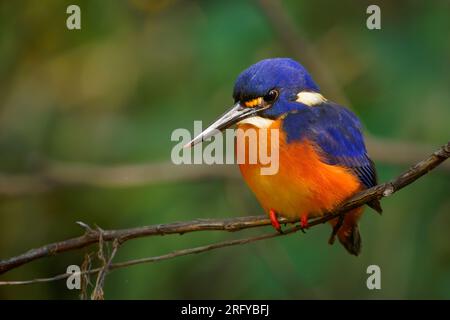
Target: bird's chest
{"type": "Point", "coordinates": [301, 183]}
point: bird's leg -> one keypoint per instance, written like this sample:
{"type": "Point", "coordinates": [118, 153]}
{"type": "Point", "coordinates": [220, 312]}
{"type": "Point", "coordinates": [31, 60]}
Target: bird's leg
{"type": "Point", "coordinates": [304, 221]}
{"type": "Point", "coordinates": [336, 228]}
{"type": "Point", "coordinates": [274, 220]}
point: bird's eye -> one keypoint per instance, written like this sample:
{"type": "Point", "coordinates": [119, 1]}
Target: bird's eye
{"type": "Point", "coordinates": [271, 96]}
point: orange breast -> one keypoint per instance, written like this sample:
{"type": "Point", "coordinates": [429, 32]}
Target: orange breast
{"type": "Point", "coordinates": [303, 184]}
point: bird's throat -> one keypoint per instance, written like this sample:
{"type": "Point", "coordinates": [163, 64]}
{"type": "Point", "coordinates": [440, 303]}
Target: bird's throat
{"type": "Point", "coordinates": [258, 122]}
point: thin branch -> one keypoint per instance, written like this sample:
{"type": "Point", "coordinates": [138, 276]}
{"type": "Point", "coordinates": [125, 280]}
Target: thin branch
{"type": "Point", "coordinates": [85, 281]}
{"type": "Point", "coordinates": [97, 293]}
{"type": "Point", "coordinates": [171, 255]}
{"type": "Point", "coordinates": [64, 174]}
{"type": "Point", "coordinates": [92, 236]}
{"type": "Point", "coordinates": [233, 224]}
{"type": "Point", "coordinates": [41, 280]}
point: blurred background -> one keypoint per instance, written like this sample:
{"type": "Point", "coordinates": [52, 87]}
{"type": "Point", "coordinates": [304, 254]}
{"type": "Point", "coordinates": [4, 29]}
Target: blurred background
{"type": "Point", "coordinates": [86, 118]}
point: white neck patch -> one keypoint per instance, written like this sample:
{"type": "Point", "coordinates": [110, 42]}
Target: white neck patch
{"type": "Point", "coordinates": [258, 122]}
{"type": "Point", "coordinates": [310, 98]}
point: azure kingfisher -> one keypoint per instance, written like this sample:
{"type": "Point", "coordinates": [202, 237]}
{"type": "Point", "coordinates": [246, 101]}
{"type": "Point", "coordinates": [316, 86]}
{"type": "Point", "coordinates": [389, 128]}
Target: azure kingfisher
{"type": "Point", "coordinates": [322, 156]}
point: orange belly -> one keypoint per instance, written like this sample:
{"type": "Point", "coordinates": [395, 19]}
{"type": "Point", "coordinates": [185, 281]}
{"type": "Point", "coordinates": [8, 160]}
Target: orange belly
{"type": "Point", "coordinates": [303, 184]}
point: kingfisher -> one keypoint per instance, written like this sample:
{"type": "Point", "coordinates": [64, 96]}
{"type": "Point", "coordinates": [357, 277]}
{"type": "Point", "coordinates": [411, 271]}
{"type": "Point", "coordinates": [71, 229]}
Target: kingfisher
{"type": "Point", "coordinates": [322, 155]}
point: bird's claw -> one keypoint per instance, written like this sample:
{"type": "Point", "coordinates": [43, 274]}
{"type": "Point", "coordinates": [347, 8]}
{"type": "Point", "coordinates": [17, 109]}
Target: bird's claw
{"type": "Point", "coordinates": [304, 223]}
{"type": "Point", "coordinates": [274, 220]}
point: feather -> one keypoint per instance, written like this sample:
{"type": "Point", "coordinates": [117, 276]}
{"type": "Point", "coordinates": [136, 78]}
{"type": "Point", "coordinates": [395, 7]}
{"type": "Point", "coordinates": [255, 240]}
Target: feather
{"type": "Point", "coordinates": [337, 134]}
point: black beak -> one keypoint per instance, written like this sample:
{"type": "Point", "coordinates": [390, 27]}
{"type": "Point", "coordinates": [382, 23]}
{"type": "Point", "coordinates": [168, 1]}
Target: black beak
{"type": "Point", "coordinates": [234, 115]}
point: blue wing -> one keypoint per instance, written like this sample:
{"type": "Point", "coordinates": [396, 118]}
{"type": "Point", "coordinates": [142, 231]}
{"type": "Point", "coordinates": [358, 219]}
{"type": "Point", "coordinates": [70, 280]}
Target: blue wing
{"type": "Point", "coordinates": [338, 134]}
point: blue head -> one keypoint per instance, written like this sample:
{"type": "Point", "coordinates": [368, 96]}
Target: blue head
{"type": "Point", "coordinates": [266, 89]}
{"type": "Point", "coordinates": [283, 75]}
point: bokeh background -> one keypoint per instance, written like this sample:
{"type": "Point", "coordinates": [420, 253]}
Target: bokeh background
{"type": "Point", "coordinates": [86, 118]}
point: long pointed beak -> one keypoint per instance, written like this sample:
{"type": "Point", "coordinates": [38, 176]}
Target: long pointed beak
{"type": "Point", "coordinates": [234, 115]}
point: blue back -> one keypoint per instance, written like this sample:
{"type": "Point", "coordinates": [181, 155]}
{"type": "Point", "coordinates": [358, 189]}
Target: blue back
{"type": "Point", "coordinates": [336, 132]}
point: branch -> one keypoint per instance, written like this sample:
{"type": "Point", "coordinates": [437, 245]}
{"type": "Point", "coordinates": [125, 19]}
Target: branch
{"type": "Point", "coordinates": [174, 254]}
{"type": "Point", "coordinates": [97, 293]}
{"type": "Point", "coordinates": [232, 224]}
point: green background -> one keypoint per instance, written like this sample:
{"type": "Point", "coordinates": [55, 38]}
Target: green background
{"type": "Point", "coordinates": [112, 93]}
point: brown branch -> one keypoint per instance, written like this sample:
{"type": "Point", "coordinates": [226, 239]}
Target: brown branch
{"type": "Point", "coordinates": [85, 280]}
{"type": "Point", "coordinates": [97, 293]}
{"type": "Point", "coordinates": [93, 236]}
{"type": "Point", "coordinates": [232, 224]}
{"type": "Point", "coordinates": [174, 254]}
{"type": "Point", "coordinates": [390, 152]}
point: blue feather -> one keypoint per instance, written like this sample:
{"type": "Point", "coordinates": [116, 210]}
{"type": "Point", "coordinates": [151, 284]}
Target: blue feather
{"type": "Point", "coordinates": [336, 132]}
{"type": "Point", "coordinates": [283, 74]}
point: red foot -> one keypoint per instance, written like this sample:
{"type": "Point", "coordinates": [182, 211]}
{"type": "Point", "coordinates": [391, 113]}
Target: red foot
{"type": "Point", "coordinates": [274, 220]}
{"type": "Point", "coordinates": [304, 221]}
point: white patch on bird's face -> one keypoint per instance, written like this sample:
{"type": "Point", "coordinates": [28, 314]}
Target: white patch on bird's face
{"type": "Point", "coordinates": [258, 122]}
{"type": "Point", "coordinates": [310, 98]}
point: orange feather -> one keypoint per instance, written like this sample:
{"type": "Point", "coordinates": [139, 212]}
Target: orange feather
{"type": "Point", "coordinates": [303, 185]}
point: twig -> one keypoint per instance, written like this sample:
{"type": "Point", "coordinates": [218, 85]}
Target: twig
{"type": "Point", "coordinates": [174, 254]}
{"type": "Point", "coordinates": [234, 224]}
{"type": "Point", "coordinates": [91, 237]}
{"type": "Point", "coordinates": [85, 281]}
{"type": "Point", "coordinates": [97, 293]}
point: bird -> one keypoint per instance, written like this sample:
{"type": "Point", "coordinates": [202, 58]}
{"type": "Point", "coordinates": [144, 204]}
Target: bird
{"type": "Point", "coordinates": [323, 159]}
